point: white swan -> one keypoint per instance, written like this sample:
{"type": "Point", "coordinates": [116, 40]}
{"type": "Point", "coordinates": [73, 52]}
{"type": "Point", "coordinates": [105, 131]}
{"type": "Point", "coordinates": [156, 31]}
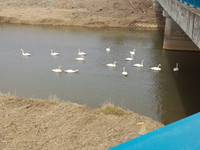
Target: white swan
{"type": "Point", "coordinates": [130, 58]}
{"type": "Point", "coordinates": [54, 53]}
{"type": "Point", "coordinates": [80, 58]}
{"type": "Point", "coordinates": [112, 65]}
{"type": "Point", "coordinates": [108, 49]}
{"type": "Point", "coordinates": [57, 70]}
{"type": "Point", "coordinates": [156, 68]}
{"type": "Point", "coordinates": [139, 65]}
{"type": "Point", "coordinates": [132, 52]}
{"type": "Point", "coordinates": [81, 53]}
{"type": "Point", "coordinates": [124, 72]}
{"type": "Point", "coordinates": [25, 54]}
{"type": "Point", "coordinates": [176, 68]}
{"type": "Point", "coordinates": [71, 71]}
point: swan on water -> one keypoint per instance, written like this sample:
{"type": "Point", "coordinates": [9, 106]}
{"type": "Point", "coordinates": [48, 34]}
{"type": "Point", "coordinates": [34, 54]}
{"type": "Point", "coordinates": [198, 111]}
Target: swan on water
{"type": "Point", "coordinates": [81, 53]}
{"type": "Point", "coordinates": [25, 54]}
{"type": "Point", "coordinates": [57, 70]}
{"type": "Point", "coordinates": [132, 52]}
{"type": "Point", "coordinates": [80, 58]}
{"type": "Point", "coordinates": [124, 72]}
{"type": "Point", "coordinates": [143, 129]}
{"type": "Point", "coordinates": [72, 71]}
{"type": "Point", "coordinates": [156, 68]}
{"type": "Point", "coordinates": [54, 53]}
{"type": "Point", "coordinates": [130, 58]}
{"type": "Point", "coordinates": [139, 65]}
{"type": "Point", "coordinates": [176, 68]}
{"type": "Point", "coordinates": [112, 65]}
{"type": "Point", "coordinates": [108, 49]}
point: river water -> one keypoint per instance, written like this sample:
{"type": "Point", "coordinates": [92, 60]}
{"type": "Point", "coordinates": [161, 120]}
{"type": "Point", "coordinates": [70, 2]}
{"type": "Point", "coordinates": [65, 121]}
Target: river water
{"type": "Point", "coordinates": [165, 95]}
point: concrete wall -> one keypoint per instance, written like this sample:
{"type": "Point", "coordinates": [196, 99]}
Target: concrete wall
{"type": "Point", "coordinates": [188, 18]}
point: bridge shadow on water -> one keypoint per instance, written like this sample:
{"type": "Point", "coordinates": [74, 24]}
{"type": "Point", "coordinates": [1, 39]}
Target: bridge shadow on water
{"type": "Point", "coordinates": [183, 99]}
{"type": "Point", "coordinates": [186, 83]}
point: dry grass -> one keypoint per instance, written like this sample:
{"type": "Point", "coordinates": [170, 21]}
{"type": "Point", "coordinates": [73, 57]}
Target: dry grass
{"type": "Point", "coordinates": [134, 14]}
{"type": "Point", "coordinates": [113, 110]}
{"type": "Point", "coordinates": [42, 124]}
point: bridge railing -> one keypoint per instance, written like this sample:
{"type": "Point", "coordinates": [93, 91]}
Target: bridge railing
{"type": "Point", "coordinates": [194, 3]}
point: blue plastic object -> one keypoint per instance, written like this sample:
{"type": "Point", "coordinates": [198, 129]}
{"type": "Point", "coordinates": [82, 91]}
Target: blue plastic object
{"type": "Point", "coordinates": [181, 135]}
{"type": "Point", "coordinates": [194, 3]}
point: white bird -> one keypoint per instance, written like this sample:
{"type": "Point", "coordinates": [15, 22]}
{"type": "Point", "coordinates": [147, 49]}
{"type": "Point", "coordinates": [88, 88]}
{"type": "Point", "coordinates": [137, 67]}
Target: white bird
{"type": "Point", "coordinates": [112, 65]}
{"type": "Point", "coordinates": [156, 68]}
{"type": "Point", "coordinates": [25, 54]}
{"type": "Point", "coordinates": [143, 129]}
{"type": "Point", "coordinates": [176, 68]}
{"type": "Point", "coordinates": [124, 72]}
{"type": "Point", "coordinates": [139, 65]}
{"type": "Point", "coordinates": [132, 52]}
{"type": "Point", "coordinates": [81, 53]}
{"type": "Point", "coordinates": [130, 58]}
{"type": "Point", "coordinates": [57, 70]}
{"type": "Point", "coordinates": [108, 49]}
{"type": "Point", "coordinates": [54, 53]}
{"type": "Point", "coordinates": [71, 71]}
{"type": "Point", "coordinates": [80, 58]}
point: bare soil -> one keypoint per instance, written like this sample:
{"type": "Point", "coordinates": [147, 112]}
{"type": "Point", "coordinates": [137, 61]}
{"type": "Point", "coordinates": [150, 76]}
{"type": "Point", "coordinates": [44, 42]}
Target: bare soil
{"type": "Point", "coordinates": [54, 125]}
{"type": "Point", "coordinates": [134, 14]}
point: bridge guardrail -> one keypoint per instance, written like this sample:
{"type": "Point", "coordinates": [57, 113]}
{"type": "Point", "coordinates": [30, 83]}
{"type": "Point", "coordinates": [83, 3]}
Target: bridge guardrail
{"type": "Point", "coordinates": [194, 3]}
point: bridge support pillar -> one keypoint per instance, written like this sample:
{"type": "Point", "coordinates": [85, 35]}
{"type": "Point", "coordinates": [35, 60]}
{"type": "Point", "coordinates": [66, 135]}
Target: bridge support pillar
{"type": "Point", "coordinates": [175, 38]}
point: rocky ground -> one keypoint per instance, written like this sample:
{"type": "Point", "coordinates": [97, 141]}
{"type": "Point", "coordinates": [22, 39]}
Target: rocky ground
{"type": "Point", "coordinates": [55, 125]}
{"type": "Point", "coordinates": [134, 14]}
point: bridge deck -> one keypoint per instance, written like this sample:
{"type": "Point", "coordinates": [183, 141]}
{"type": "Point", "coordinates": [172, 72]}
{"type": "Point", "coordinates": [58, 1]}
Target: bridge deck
{"type": "Point", "coordinates": [187, 17]}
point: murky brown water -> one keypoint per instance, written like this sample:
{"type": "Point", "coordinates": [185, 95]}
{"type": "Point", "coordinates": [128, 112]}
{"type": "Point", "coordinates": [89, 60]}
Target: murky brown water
{"type": "Point", "coordinates": [165, 96]}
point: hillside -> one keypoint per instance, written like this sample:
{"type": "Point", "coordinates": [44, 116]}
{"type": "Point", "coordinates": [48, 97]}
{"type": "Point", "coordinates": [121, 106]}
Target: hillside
{"type": "Point", "coordinates": [54, 125]}
{"type": "Point", "coordinates": [134, 14]}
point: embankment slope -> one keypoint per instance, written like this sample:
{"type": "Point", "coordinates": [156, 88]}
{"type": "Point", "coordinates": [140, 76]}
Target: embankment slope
{"type": "Point", "coordinates": [134, 14]}
{"type": "Point", "coordinates": [44, 124]}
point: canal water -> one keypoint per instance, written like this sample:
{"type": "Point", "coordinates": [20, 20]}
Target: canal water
{"type": "Point", "coordinates": [164, 95]}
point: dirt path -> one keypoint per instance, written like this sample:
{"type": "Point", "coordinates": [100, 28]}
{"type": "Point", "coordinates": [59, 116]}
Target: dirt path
{"type": "Point", "coordinates": [134, 14]}
{"type": "Point", "coordinates": [52, 125]}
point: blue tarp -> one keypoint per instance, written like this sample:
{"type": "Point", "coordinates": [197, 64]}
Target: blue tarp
{"type": "Point", "coordinates": [194, 3]}
{"type": "Point", "coordinates": [181, 135]}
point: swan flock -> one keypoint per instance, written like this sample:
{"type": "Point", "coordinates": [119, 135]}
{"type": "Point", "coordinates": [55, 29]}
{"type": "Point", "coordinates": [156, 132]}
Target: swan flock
{"type": "Point", "coordinates": [113, 65]}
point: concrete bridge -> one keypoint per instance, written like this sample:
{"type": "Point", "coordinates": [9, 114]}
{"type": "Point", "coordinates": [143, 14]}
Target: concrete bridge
{"type": "Point", "coordinates": [182, 25]}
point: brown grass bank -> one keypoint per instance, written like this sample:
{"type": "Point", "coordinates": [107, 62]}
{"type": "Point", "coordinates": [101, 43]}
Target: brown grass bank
{"type": "Point", "coordinates": [134, 14]}
{"type": "Point", "coordinates": [52, 125]}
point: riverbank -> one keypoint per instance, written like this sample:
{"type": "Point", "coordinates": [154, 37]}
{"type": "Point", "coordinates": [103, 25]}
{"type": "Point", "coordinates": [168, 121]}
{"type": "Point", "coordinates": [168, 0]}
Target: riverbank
{"type": "Point", "coordinates": [49, 124]}
{"type": "Point", "coordinates": [133, 14]}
